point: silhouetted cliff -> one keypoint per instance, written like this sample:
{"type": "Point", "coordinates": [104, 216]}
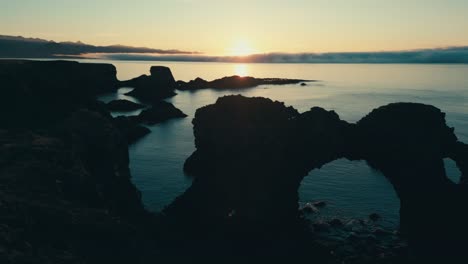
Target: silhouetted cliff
{"type": "Point", "coordinates": [159, 85]}
{"type": "Point", "coordinates": [38, 93]}
{"type": "Point", "coordinates": [66, 194]}
{"type": "Point", "coordinates": [252, 154]}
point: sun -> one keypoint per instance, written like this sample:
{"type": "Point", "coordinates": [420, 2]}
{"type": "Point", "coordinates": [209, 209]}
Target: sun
{"type": "Point", "coordinates": [241, 48]}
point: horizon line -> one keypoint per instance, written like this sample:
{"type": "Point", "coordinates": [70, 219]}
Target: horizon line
{"type": "Point", "coordinates": [450, 55]}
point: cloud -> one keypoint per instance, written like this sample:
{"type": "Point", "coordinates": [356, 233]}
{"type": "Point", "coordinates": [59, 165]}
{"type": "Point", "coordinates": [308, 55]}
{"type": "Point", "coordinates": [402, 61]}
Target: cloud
{"type": "Point", "coordinates": [20, 47]}
{"type": "Point", "coordinates": [440, 55]}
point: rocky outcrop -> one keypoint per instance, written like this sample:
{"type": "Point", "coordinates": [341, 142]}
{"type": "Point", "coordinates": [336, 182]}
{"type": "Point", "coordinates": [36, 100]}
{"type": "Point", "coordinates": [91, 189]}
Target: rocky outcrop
{"type": "Point", "coordinates": [159, 85]}
{"type": "Point", "coordinates": [66, 194]}
{"type": "Point", "coordinates": [33, 91]}
{"type": "Point", "coordinates": [130, 128]}
{"type": "Point", "coordinates": [234, 82]}
{"type": "Point", "coordinates": [123, 105]}
{"type": "Point", "coordinates": [159, 112]}
{"type": "Point", "coordinates": [252, 154]}
{"type": "Point", "coordinates": [60, 78]}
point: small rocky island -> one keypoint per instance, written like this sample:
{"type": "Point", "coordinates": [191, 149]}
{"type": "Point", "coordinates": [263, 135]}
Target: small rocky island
{"type": "Point", "coordinates": [66, 194]}
{"type": "Point", "coordinates": [160, 84]}
{"type": "Point", "coordinates": [235, 82]}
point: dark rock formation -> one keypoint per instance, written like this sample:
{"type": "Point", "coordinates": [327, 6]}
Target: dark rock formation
{"type": "Point", "coordinates": [65, 189]}
{"type": "Point", "coordinates": [233, 82]}
{"type": "Point", "coordinates": [320, 204]}
{"type": "Point", "coordinates": [123, 105]}
{"type": "Point", "coordinates": [159, 112]}
{"type": "Point", "coordinates": [130, 128]}
{"type": "Point", "coordinates": [252, 154]}
{"type": "Point", "coordinates": [66, 195]}
{"type": "Point", "coordinates": [159, 85]}
{"type": "Point", "coordinates": [93, 137]}
{"type": "Point", "coordinates": [374, 217]}
{"type": "Point", "coordinates": [33, 91]}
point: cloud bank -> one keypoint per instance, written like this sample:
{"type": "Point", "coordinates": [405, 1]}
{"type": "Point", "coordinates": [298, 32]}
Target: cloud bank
{"type": "Point", "coordinates": [440, 55]}
{"type": "Point", "coordinates": [20, 47]}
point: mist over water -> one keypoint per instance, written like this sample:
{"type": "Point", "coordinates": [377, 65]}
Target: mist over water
{"type": "Point", "coordinates": [351, 188]}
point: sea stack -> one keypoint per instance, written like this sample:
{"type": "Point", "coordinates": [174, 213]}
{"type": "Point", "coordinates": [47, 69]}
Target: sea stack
{"type": "Point", "coordinates": [159, 85]}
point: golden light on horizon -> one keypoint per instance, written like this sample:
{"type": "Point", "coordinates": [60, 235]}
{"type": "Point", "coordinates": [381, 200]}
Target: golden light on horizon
{"type": "Point", "coordinates": [241, 70]}
{"type": "Point", "coordinates": [241, 48]}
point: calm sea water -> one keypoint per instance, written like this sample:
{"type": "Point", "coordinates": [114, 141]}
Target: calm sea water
{"type": "Point", "coordinates": [351, 188]}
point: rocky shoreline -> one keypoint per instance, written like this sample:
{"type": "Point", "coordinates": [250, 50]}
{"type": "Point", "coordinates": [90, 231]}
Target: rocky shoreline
{"type": "Point", "coordinates": [66, 194]}
{"type": "Point", "coordinates": [356, 240]}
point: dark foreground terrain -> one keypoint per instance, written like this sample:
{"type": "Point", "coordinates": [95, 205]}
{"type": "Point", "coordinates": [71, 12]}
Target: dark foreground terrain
{"type": "Point", "coordinates": [66, 194]}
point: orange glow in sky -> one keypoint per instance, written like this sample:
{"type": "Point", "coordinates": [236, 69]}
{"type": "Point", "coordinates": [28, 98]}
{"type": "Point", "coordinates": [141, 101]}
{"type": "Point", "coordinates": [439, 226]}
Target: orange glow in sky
{"type": "Point", "coordinates": [243, 27]}
{"type": "Point", "coordinates": [241, 48]}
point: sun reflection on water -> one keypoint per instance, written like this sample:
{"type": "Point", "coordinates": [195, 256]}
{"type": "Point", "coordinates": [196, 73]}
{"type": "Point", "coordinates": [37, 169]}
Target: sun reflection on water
{"type": "Point", "coordinates": [241, 69]}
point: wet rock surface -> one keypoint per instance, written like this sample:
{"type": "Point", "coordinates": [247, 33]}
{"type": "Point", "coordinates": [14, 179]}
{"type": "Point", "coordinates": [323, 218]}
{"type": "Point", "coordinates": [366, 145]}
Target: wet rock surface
{"type": "Point", "coordinates": [356, 242]}
{"type": "Point", "coordinates": [353, 240]}
{"type": "Point", "coordinates": [234, 82]}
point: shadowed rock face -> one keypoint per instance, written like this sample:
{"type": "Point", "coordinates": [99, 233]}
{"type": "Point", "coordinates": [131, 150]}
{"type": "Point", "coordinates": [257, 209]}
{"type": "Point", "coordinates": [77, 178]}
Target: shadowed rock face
{"type": "Point", "coordinates": [123, 105]}
{"type": "Point", "coordinates": [130, 128]}
{"type": "Point", "coordinates": [66, 194]}
{"type": "Point", "coordinates": [40, 94]}
{"type": "Point", "coordinates": [159, 85]}
{"type": "Point", "coordinates": [233, 82]}
{"type": "Point", "coordinates": [159, 112]}
{"type": "Point", "coordinates": [252, 154]}
{"type": "Point", "coordinates": [65, 190]}
{"type": "Point", "coordinates": [32, 91]}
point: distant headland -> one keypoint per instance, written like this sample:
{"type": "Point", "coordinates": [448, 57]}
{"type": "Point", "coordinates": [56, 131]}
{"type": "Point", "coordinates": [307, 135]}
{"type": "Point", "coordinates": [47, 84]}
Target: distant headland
{"type": "Point", "coordinates": [21, 47]}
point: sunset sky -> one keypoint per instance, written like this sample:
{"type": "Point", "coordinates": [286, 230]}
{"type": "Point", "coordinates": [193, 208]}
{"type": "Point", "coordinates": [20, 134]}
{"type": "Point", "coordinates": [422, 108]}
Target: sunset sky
{"type": "Point", "coordinates": [241, 27]}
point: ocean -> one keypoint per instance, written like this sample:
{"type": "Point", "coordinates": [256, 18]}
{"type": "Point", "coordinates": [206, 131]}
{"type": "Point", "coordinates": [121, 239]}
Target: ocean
{"type": "Point", "coordinates": [351, 188]}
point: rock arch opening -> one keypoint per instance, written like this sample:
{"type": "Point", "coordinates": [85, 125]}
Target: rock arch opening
{"type": "Point", "coordinates": [452, 171]}
{"type": "Point", "coordinates": [351, 190]}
